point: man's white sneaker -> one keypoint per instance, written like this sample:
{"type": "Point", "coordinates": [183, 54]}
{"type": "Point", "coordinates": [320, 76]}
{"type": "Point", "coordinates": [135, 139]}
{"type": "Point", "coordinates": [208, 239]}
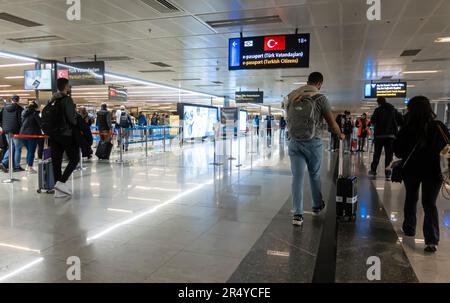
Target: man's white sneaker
{"type": "Point", "coordinates": [63, 187]}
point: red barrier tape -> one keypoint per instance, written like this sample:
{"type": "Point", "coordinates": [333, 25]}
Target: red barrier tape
{"type": "Point", "coordinates": [30, 137]}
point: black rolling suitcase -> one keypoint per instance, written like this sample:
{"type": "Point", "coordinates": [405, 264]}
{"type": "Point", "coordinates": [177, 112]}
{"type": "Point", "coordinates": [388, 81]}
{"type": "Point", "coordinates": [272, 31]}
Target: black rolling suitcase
{"type": "Point", "coordinates": [347, 192]}
{"type": "Point", "coordinates": [46, 176]}
{"type": "Point", "coordinates": [104, 150]}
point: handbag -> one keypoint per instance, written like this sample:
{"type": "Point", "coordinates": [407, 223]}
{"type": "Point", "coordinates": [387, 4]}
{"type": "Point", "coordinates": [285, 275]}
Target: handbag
{"type": "Point", "coordinates": [445, 157]}
{"type": "Point", "coordinates": [399, 165]}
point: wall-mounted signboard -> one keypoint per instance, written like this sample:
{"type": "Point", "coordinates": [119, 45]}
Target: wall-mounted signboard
{"type": "Point", "coordinates": [198, 120]}
{"type": "Point", "coordinates": [267, 52]}
{"type": "Point", "coordinates": [385, 89]}
{"type": "Point", "coordinates": [249, 97]}
{"type": "Point", "coordinates": [82, 73]}
{"type": "Point", "coordinates": [118, 94]}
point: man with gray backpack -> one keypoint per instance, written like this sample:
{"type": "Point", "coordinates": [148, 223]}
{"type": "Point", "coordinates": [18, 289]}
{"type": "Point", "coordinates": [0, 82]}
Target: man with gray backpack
{"type": "Point", "coordinates": [306, 108]}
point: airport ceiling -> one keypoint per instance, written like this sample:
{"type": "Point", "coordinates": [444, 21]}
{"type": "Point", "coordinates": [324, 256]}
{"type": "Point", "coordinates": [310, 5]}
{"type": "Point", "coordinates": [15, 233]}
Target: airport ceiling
{"type": "Point", "coordinates": [181, 49]}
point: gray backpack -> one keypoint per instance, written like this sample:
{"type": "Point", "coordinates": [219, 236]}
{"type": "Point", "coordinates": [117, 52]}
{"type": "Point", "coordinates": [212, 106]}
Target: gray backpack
{"type": "Point", "coordinates": [302, 118]}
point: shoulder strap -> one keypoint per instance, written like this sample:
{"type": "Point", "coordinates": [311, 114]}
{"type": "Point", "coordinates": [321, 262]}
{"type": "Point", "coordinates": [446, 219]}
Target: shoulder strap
{"type": "Point", "coordinates": [447, 141]}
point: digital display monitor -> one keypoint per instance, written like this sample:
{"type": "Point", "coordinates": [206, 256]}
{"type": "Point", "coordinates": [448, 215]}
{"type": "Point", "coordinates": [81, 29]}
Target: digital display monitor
{"type": "Point", "coordinates": [38, 79]}
{"type": "Point", "coordinates": [249, 97]}
{"type": "Point", "coordinates": [82, 73]}
{"type": "Point", "coordinates": [268, 52]}
{"type": "Point", "coordinates": [198, 121]}
{"type": "Point", "coordinates": [385, 89]}
{"type": "Point", "coordinates": [243, 116]}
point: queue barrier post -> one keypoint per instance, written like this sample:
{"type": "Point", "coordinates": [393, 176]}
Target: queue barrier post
{"type": "Point", "coordinates": [164, 138]}
{"type": "Point", "coordinates": [120, 145]}
{"type": "Point", "coordinates": [146, 141]}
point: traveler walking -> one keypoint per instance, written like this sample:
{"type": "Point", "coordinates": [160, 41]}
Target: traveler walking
{"type": "Point", "coordinates": [142, 119]}
{"type": "Point", "coordinates": [283, 125]}
{"type": "Point", "coordinates": [257, 124]}
{"type": "Point", "coordinates": [269, 120]}
{"type": "Point", "coordinates": [11, 121]}
{"type": "Point", "coordinates": [421, 141]}
{"type": "Point", "coordinates": [363, 125]}
{"type": "Point", "coordinates": [84, 133]}
{"type": "Point", "coordinates": [104, 123]}
{"type": "Point", "coordinates": [386, 121]}
{"type": "Point", "coordinates": [59, 120]}
{"type": "Point", "coordinates": [306, 108]}
{"type": "Point", "coordinates": [348, 132]}
{"type": "Point", "coordinates": [125, 123]}
{"type": "Point", "coordinates": [31, 125]}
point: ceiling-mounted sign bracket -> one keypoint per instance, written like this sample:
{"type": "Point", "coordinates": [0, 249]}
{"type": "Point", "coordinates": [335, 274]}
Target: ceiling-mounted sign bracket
{"type": "Point", "coordinates": [296, 30]}
{"type": "Point", "coordinates": [242, 35]}
{"type": "Point", "coordinates": [95, 58]}
{"type": "Point", "coordinates": [65, 59]}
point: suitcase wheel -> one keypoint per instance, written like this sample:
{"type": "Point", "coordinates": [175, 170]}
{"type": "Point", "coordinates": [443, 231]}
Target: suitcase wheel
{"type": "Point", "coordinates": [39, 191]}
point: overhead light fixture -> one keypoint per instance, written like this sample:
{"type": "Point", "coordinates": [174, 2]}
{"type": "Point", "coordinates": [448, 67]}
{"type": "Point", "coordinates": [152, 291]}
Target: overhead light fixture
{"type": "Point", "coordinates": [15, 65]}
{"type": "Point", "coordinates": [299, 83]}
{"type": "Point", "coordinates": [421, 72]}
{"type": "Point", "coordinates": [442, 40]}
{"type": "Point", "coordinates": [19, 57]}
{"type": "Point", "coordinates": [5, 85]}
{"type": "Point", "coordinates": [15, 77]}
{"type": "Point", "coordinates": [411, 85]}
{"type": "Point", "coordinates": [157, 85]}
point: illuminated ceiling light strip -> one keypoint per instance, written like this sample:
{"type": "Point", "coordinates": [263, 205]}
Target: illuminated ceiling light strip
{"type": "Point", "coordinates": [19, 57]}
{"type": "Point", "coordinates": [120, 210]}
{"type": "Point", "coordinates": [16, 91]}
{"type": "Point", "coordinates": [442, 40]}
{"type": "Point", "coordinates": [15, 65]}
{"type": "Point", "coordinates": [15, 77]}
{"type": "Point", "coordinates": [150, 211]}
{"type": "Point", "coordinates": [157, 85]}
{"type": "Point", "coordinates": [5, 85]}
{"type": "Point", "coordinates": [20, 247]}
{"type": "Point", "coordinates": [22, 269]}
{"type": "Point", "coordinates": [421, 72]}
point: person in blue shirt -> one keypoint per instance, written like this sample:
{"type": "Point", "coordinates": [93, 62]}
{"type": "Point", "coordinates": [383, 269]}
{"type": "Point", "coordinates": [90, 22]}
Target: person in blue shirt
{"type": "Point", "coordinates": [142, 119]}
{"type": "Point", "coordinates": [257, 124]}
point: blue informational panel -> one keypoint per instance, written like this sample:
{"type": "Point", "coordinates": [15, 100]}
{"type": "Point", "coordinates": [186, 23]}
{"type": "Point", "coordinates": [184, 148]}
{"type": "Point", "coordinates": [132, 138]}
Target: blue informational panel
{"type": "Point", "coordinates": [268, 52]}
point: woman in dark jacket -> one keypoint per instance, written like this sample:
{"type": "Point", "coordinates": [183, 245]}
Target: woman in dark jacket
{"type": "Point", "coordinates": [85, 138]}
{"type": "Point", "coordinates": [31, 125]}
{"type": "Point", "coordinates": [421, 141]}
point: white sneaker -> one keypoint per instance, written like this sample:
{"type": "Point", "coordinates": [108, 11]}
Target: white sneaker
{"type": "Point", "coordinates": [59, 194]}
{"type": "Point", "coordinates": [63, 187]}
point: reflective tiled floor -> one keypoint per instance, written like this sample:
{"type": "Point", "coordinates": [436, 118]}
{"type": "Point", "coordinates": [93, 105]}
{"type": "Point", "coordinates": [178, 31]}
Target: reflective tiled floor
{"type": "Point", "coordinates": [170, 218]}
{"type": "Point", "coordinates": [173, 217]}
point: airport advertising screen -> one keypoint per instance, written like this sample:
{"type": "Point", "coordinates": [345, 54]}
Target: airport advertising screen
{"type": "Point", "coordinates": [82, 73]}
{"type": "Point", "coordinates": [267, 52]}
{"type": "Point", "coordinates": [243, 120]}
{"type": "Point", "coordinates": [198, 121]}
{"type": "Point", "coordinates": [38, 79]}
{"type": "Point", "coordinates": [385, 89]}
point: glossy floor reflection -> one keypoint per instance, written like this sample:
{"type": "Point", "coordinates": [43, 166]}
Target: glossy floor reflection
{"type": "Point", "coordinates": [172, 217]}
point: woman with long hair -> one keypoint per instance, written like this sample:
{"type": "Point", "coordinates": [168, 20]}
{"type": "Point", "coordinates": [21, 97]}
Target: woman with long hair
{"type": "Point", "coordinates": [421, 140]}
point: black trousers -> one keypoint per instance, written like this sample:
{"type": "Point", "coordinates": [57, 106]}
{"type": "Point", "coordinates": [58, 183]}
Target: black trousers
{"type": "Point", "coordinates": [430, 191]}
{"type": "Point", "coordinates": [388, 145]}
{"type": "Point", "coordinates": [59, 145]}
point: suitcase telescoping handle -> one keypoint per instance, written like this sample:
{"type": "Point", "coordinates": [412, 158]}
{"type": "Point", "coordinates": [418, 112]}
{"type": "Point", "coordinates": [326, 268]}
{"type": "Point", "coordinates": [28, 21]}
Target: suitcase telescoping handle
{"type": "Point", "coordinates": [341, 159]}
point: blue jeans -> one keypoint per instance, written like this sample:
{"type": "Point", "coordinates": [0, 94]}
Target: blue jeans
{"type": "Point", "coordinates": [30, 145]}
{"type": "Point", "coordinates": [305, 154]}
{"type": "Point", "coordinates": [17, 152]}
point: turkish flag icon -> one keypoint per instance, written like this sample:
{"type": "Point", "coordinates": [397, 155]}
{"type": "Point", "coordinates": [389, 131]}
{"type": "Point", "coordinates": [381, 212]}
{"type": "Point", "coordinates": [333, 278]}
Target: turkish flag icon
{"type": "Point", "coordinates": [63, 73]}
{"type": "Point", "coordinates": [274, 43]}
